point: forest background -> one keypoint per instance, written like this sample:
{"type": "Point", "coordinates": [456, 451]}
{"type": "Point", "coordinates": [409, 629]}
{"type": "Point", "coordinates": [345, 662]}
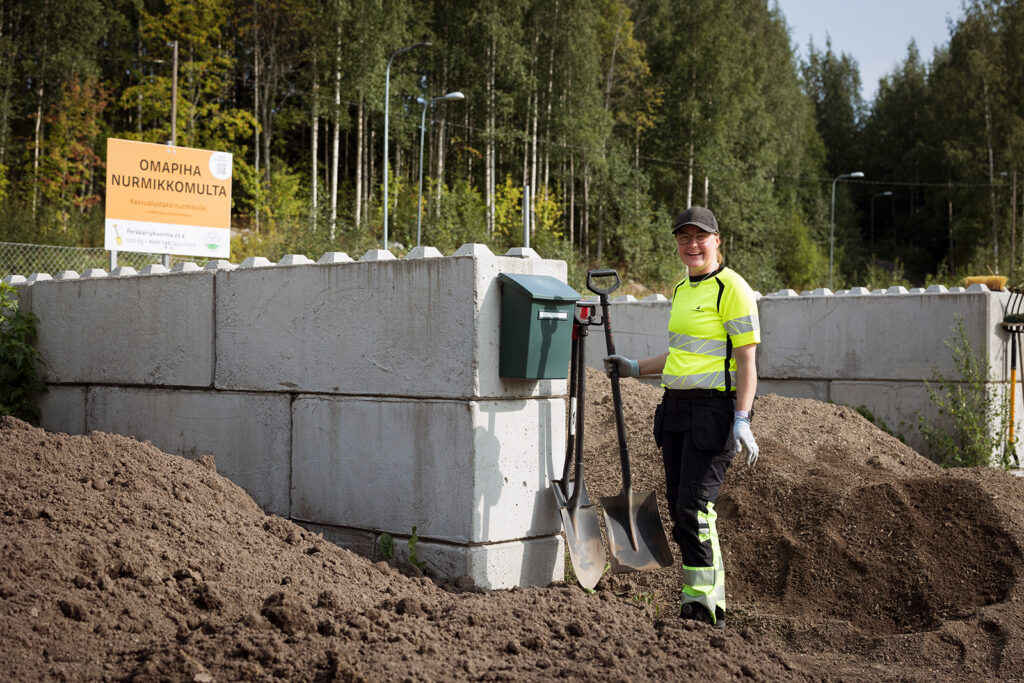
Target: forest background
{"type": "Point", "coordinates": [617, 114]}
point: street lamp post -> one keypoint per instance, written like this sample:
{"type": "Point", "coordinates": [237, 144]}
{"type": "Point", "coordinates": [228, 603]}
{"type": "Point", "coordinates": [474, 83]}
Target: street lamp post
{"type": "Point", "coordinates": [887, 193]}
{"type": "Point", "coordinates": [387, 103]}
{"type": "Point", "coordinates": [832, 225]}
{"type": "Point", "coordinates": [423, 124]}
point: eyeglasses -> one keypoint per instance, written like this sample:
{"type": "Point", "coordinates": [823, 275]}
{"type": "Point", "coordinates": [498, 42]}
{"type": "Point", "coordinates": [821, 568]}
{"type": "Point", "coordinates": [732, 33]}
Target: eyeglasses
{"type": "Point", "coordinates": [699, 238]}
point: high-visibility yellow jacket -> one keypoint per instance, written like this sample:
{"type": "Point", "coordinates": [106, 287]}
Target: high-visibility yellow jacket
{"type": "Point", "coordinates": [711, 315]}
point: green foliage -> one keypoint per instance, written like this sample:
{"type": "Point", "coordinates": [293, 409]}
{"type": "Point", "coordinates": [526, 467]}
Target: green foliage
{"type": "Point", "coordinates": [972, 422]}
{"type": "Point", "coordinates": [20, 385]}
{"type": "Point", "coordinates": [413, 540]}
{"type": "Point", "coordinates": [386, 544]}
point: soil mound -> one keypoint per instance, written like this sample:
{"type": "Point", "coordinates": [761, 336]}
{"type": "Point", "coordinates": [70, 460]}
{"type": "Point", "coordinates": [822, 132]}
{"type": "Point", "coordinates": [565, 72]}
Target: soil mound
{"type": "Point", "coordinates": [842, 543]}
{"type": "Point", "coordinates": [122, 562]}
{"type": "Point", "coordinates": [848, 556]}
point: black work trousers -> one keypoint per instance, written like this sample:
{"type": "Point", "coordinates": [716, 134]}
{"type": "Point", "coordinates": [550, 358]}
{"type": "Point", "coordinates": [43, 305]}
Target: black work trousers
{"type": "Point", "coordinates": [692, 433]}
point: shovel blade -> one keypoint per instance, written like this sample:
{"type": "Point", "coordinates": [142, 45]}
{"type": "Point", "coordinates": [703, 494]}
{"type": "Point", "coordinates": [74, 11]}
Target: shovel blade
{"type": "Point", "coordinates": [636, 537]}
{"type": "Point", "coordinates": [582, 527]}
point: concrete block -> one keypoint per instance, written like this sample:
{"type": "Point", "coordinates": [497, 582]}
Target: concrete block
{"type": "Point", "coordinates": [624, 299]}
{"type": "Point", "coordinates": [62, 409]}
{"type": "Point", "coordinates": [822, 291]}
{"type": "Point", "coordinates": [474, 250]}
{"type": "Point", "coordinates": [896, 289]}
{"type": "Point", "coordinates": [335, 257]}
{"type": "Point", "coordinates": [978, 287]}
{"type": "Point", "coordinates": [123, 271]}
{"type": "Point", "coordinates": [896, 404]}
{"type": "Point", "coordinates": [93, 273]}
{"type": "Point", "coordinates": [785, 292]}
{"type": "Point", "coordinates": [859, 291]}
{"type": "Point", "coordinates": [462, 472]}
{"type": "Point", "coordinates": [640, 330]}
{"type": "Point", "coordinates": [876, 338]}
{"type": "Point", "coordinates": [937, 289]}
{"type": "Point", "coordinates": [842, 292]}
{"type": "Point", "coordinates": [186, 267]}
{"type": "Point", "coordinates": [139, 330]}
{"type": "Point", "coordinates": [957, 290]}
{"type": "Point", "coordinates": [377, 255]}
{"type": "Point", "coordinates": [531, 562]}
{"type": "Point", "coordinates": [38, 277]}
{"type": "Point", "coordinates": [794, 388]}
{"type": "Point", "coordinates": [916, 290]}
{"type": "Point", "coordinates": [358, 541]}
{"type": "Point", "coordinates": [255, 262]}
{"type": "Point", "coordinates": [424, 252]}
{"type": "Point", "coordinates": [294, 260]}
{"type": "Point", "coordinates": [15, 280]}
{"type": "Point", "coordinates": [522, 252]}
{"type": "Point", "coordinates": [219, 264]}
{"type": "Point", "coordinates": [425, 327]}
{"type": "Point", "coordinates": [66, 275]}
{"type": "Point", "coordinates": [654, 297]}
{"type": "Point", "coordinates": [154, 269]}
{"type": "Point", "coordinates": [248, 434]}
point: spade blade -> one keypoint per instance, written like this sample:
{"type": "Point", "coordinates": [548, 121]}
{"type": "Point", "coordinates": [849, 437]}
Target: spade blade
{"type": "Point", "coordinates": [636, 537]}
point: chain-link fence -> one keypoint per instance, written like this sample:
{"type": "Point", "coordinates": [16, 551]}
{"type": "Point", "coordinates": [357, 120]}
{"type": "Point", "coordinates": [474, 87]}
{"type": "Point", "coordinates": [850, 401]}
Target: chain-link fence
{"type": "Point", "coordinates": [25, 259]}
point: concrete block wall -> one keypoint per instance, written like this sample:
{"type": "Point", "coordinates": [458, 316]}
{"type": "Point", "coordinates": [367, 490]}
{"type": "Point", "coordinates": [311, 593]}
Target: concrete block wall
{"type": "Point", "coordinates": [355, 397]}
{"type": "Point", "coordinates": [853, 347]}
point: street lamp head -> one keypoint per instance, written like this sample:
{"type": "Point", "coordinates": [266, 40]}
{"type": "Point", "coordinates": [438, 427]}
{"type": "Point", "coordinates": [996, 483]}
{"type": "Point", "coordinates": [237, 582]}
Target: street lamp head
{"type": "Point", "coordinates": [457, 95]}
{"type": "Point", "coordinates": [856, 174]}
{"type": "Point", "coordinates": [420, 100]}
{"type": "Point", "coordinates": [887, 193]}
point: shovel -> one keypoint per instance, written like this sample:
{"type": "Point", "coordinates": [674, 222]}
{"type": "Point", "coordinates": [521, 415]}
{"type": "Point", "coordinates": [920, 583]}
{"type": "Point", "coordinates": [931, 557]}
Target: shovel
{"type": "Point", "coordinates": [636, 537]}
{"type": "Point", "coordinates": [580, 520]}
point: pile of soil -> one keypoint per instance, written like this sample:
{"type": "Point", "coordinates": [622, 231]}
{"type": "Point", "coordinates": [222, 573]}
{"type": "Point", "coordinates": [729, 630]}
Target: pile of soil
{"type": "Point", "coordinates": [847, 555]}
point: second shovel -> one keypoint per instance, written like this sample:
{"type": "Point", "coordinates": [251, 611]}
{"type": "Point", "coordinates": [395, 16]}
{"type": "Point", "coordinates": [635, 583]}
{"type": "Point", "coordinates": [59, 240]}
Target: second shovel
{"type": "Point", "coordinates": [636, 537]}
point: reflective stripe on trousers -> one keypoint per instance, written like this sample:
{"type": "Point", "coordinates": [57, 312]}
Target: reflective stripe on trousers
{"type": "Point", "coordinates": [706, 585]}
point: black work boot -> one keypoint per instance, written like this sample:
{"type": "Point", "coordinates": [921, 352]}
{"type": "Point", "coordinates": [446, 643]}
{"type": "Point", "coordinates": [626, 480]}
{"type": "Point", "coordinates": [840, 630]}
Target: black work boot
{"type": "Point", "coordinates": [698, 612]}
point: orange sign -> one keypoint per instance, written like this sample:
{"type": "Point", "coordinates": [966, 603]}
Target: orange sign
{"type": "Point", "coordinates": [167, 200]}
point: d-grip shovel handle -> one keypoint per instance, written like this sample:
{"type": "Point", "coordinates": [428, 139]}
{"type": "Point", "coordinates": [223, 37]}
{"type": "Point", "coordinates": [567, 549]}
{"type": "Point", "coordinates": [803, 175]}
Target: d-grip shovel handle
{"type": "Point", "coordinates": [620, 425]}
{"type": "Point", "coordinates": [602, 273]}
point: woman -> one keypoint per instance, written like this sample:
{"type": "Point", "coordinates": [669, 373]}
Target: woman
{"type": "Point", "coordinates": [710, 378]}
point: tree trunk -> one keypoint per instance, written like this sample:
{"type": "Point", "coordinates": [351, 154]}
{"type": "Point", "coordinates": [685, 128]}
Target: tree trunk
{"type": "Point", "coordinates": [991, 176]}
{"type": "Point", "coordinates": [38, 141]}
{"type": "Point", "coordinates": [337, 134]}
{"type": "Point", "coordinates": [256, 114]}
{"type": "Point", "coordinates": [360, 144]}
{"type": "Point", "coordinates": [689, 177]}
{"type": "Point", "coordinates": [314, 141]}
{"type": "Point", "coordinates": [489, 154]}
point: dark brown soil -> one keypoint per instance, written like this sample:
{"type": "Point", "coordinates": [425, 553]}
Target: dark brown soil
{"type": "Point", "coordinates": [848, 556]}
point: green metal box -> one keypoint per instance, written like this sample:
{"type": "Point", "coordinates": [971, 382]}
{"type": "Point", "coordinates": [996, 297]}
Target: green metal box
{"type": "Point", "coordinates": [536, 326]}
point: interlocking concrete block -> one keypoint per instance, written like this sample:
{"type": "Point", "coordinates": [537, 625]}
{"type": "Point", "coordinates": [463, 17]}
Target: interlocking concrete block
{"type": "Point", "coordinates": [186, 267]}
{"type": "Point", "coordinates": [62, 409]}
{"type": "Point", "coordinates": [335, 257]}
{"type": "Point", "coordinates": [522, 252]}
{"type": "Point", "coordinates": [219, 264]}
{"type": "Point", "coordinates": [424, 252]}
{"type": "Point", "coordinates": [134, 330]}
{"type": "Point", "coordinates": [255, 262]}
{"type": "Point", "coordinates": [66, 275]}
{"type": "Point", "coordinates": [248, 434]}
{"type": "Point", "coordinates": [294, 260]}
{"type": "Point", "coordinates": [461, 472]}
{"type": "Point", "coordinates": [876, 338]}
{"type": "Point", "coordinates": [154, 269]}
{"type": "Point", "coordinates": [895, 404]}
{"type": "Point", "coordinates": [38, 277]}
{"type": "Point", "coordinates": [358, 541]}
{"type": "Point", "coordinates": [15, 280]}
{"type": "Point", "coordinates": [93, 273]}
{"type": "Point", "coordinates": [794, 388]}
{"type": "Point", "coordinates": [425, 327]}
{"type": "Point", "coordinates": [374, 255]}
{"type": "Point", "coordinates": [531, 562]}
{"type": "Point", "coordinates": [123, 271]}
{"type": "Point", "coordinates": [639, 330]}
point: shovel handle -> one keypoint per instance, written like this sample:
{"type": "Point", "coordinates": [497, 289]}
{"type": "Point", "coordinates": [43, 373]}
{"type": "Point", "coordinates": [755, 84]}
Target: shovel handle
{"type": "Point", "coordinates": [620, 425]}
{"type": "Point", "coordinates": [608, 272]}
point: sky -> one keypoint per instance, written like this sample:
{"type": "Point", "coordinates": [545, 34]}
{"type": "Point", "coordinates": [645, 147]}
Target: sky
{"type": "Point", "coordinates": [874, 32]}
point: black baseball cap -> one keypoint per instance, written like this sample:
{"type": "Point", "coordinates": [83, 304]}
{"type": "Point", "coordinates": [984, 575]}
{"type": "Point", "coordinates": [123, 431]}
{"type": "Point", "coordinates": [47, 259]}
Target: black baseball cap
{"type": "Point", "coordinates": [699, 216]}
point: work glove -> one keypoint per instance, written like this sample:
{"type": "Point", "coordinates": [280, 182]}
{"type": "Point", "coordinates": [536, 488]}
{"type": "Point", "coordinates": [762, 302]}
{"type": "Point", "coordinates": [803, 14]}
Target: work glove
{"type": "Point", "coordinates": [743, 439]}
{"type": "Point", "coordinates": [626, 367]}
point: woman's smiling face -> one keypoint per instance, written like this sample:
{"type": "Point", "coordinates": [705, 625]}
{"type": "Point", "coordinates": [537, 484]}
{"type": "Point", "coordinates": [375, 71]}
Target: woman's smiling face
{"type": "Point", "coordinates": [698, 249]}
